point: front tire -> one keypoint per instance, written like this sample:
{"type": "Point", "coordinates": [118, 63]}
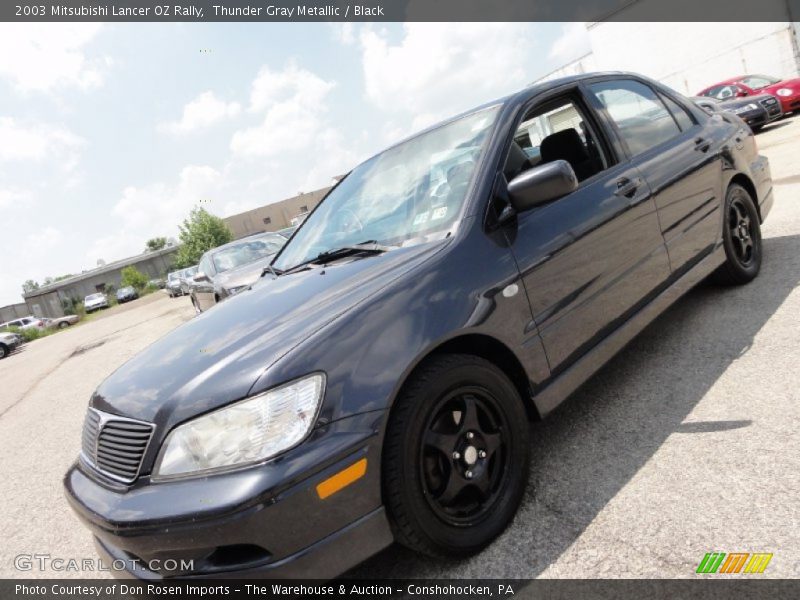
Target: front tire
{"type": "Point", "coordinates": [741, 238]}
{"type": "Point", "coordinates": [63, 325]}
{"type": "Point", "coordinates": [3, 351]}
{"type": "Point", "coordinates": [455, 460]}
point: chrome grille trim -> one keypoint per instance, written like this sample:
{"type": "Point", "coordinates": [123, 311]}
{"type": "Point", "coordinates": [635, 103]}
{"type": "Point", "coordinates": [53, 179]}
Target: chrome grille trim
{"type": "Point", "coordinates": [115, 446]}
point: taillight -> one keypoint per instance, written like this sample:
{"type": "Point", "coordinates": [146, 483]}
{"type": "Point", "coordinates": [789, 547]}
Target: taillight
{"type": "Point", "coordinates": [40, 324]}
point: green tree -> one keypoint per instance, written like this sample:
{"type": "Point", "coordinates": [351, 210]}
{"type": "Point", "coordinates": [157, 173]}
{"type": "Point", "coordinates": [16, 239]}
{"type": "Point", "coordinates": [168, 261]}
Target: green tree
{"type": "Point", "coordinates": [200, 232]}
{"type": "Point", "coordinates": [156, 243]}
{"type": "Point", "coordinates": [134, 277]}
{"type": "Point", "coordinates": [30, 286]}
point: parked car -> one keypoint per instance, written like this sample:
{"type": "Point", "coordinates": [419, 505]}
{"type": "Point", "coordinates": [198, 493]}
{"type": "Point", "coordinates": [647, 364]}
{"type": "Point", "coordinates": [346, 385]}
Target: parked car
{"type": "Point", "coordinates": [29, 322]}
{"type": "Point", "coordinates": [94, 302]}
{"type": "Point", "coordinates": [786, 90]}
{"type": "Point", "coordinates": [8, 343]}
{"type": "Point", "coordinates": [173, 286]}
{"type": "Point", "coordinates": [377, 383]}
{"type": "Point", "coordinates": [157, 282]}
{"type": "Point", "coordinates": [186, 279]}
{"type": "Point", "coordinates": [231, 268]}
{"type": "Point", "coordinates": [61, 322]}
{"type": "Point", "coordinates": [126, 294]}
{"type": "Point", "coordinates": [756, 111]}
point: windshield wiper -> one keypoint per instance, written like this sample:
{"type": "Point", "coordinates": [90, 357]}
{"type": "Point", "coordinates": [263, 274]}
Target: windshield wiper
{"type": "Point", "coordinates": [271, 270]}
{"type": "Point", "coordinates": [367, 247]}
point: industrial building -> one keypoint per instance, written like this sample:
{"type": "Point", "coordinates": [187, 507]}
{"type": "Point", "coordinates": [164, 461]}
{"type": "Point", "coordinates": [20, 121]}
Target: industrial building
{"type": "Point", "coordinates": [688, 57]}
{"type": "Point", "coordinates": [273, 217]}
{"type": "Point", "coordinates": [47, 301]}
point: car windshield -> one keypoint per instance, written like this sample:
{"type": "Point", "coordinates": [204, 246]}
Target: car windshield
{"type": "Point", "coordinates": [125, 290]}
{"type": "Point", "coordinates": [756, 82]}
{"type": "Point", "coordinates": [173, 276]}
{"type": "Point", "coordinates": [722, 92]}
{"type": "Point", "coordinates": [94, 297]}
{"type": "Point", "coordinates": [190, 272]}
{"type": "Point", "coordinates": [247, 251]}
{"type": "Point", "coordinates": [408, 194]}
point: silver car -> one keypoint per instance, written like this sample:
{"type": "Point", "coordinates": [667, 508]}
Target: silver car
{"type": "Point", "coordinates": [229, 269]}
{"type": "Point", "coordinates": [94, 302]}
{"type": "Point", "coordinates": [173, 286]}
{"type": "Point", "coordinates": [29, 322]}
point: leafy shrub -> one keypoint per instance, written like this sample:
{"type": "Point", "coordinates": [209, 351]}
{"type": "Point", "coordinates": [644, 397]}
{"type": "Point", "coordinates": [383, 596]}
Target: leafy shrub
{"type": "Point", "coordinates": [133, 277]}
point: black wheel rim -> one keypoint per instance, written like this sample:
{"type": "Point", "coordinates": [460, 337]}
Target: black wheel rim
{"type": "Point", "coordinates": [464, 456]}
{"type": "Point", "coordinates": [742, 230]}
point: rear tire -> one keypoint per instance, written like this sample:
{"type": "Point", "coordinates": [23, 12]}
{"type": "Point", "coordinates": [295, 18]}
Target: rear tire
{"type": "Point", "coordinates": [3, 351]}
{"type": "Point", "coordinates": [741, 238]}
{"type": "Point", "coordinates": [63, 325]}
{"type": "Point", "coordinates": [456, 454]}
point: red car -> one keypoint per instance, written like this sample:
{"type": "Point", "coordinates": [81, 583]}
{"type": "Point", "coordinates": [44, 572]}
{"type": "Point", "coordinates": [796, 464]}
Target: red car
{"type": "Point", "coordinates": [787, 91]}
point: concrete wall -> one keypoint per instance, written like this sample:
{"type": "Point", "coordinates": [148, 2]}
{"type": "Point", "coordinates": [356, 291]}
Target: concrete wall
{"type": "Point", "coordinates": [691, 56]}
{"type": "Point", "coordinates": [13, 311]}
{"type": "Point", "coordinates": [274, 216]}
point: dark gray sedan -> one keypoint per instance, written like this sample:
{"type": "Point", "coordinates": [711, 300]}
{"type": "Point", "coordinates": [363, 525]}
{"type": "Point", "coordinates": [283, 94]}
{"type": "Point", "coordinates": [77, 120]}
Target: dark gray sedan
{"type": "Point", "coordinates": [756, 111]}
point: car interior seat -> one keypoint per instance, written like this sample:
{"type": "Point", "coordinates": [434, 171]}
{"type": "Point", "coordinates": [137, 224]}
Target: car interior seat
{"type": "Point", "coordinates": [567, 145]}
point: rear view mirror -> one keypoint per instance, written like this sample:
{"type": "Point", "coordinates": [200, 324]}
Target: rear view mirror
{"type": "Point", "coordinates": [200, 276]}
{"type": "Point", "coordinates": [542, 184]}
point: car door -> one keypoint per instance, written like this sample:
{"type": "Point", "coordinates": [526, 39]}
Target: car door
{"type": "Point", "coordinates": [591, 258]}
{"type": "Point", "coordinates": [679, 158]}
{"type": "Point", "coordinates": [204, 290]}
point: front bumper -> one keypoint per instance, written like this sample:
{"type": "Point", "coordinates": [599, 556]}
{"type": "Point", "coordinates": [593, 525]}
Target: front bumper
{"type": "Point", "coordinates": [262, 521]}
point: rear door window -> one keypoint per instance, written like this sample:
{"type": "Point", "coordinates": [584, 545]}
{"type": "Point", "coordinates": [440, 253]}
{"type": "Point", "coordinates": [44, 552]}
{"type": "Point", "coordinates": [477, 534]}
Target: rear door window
{"type": "Point", "coordinates": [642, 119]}
{"type": "Point", "coordinates": [684, 119]}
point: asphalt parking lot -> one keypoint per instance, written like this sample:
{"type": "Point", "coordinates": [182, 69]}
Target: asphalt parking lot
{"type": "Point", "coordinates": [686, 443]}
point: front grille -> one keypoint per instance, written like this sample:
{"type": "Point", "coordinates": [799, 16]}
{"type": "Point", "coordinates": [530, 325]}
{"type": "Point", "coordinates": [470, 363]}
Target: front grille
{"type": "Point", "coordinates": [115, 445]}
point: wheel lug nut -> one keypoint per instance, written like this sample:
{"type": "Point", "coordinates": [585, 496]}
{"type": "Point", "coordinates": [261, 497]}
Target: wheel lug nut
{"type": "Point", "coordinates": [468, 474]}
{"type": "Point", "coordinates": [456, 455]}
{"type": "Point", "coordinates": [470, 435]}
{"type": "Point", "coordinates": [482, 453]}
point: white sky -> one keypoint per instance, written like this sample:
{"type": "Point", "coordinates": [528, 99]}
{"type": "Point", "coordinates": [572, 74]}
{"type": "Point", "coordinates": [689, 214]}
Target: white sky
{"type": "Point", "coordinates": [111, 133]}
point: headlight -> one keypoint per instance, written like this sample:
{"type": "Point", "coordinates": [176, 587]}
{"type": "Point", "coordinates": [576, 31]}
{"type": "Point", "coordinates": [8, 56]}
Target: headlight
{"type": "Point", "coordinates": [232, 291]}
{"type": "Point", "coordinates": [784, 92]}
{"type": "Point", "coordinates": [247, 431]}
{"type": "Point", "coordinates": [744, 109]}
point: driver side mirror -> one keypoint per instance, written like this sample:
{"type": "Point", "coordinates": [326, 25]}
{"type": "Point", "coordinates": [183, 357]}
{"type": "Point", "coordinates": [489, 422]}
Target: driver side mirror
{"type": "Point", "coordinates": [542, 184]}
{"type": "Point", "coordinates": [741, 93]}
{"type": "Point", "coordinates": [200, 276]}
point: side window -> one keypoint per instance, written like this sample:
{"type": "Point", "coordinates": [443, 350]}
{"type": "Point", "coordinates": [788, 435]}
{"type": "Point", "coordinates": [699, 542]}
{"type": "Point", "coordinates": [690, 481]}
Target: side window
{"type": "Point", "coordinates": [684, 119]}
{"type": "Point", "coordinates": [557, 130]}
{"type": "Point", "coordinates": [641, 117]}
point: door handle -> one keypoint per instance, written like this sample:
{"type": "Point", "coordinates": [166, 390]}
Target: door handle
{"type": "Point", "coordinates": [702, 144]}
{"type": "Point", "coordinates": [627, 187]}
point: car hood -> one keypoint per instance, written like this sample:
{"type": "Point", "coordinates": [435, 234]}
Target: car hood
{"type": "Point", "coordinates": [95, 301]}
{"type": "Point", "coordinates": [737, 102]}
{"type": "Point", "coordinates": [244, 274]}
{"type": "Point", "coordinates": [8, 337]}
{"type": "Point", "coordinates": [216, 357]}
{"type": "Point", "coordinates": [792, 84]}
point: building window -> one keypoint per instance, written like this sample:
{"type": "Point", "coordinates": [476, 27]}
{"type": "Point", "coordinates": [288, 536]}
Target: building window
{"type": "Point", "coordinates": [303, 209]}
{"type": "Point", "coordinates": [267, 220]}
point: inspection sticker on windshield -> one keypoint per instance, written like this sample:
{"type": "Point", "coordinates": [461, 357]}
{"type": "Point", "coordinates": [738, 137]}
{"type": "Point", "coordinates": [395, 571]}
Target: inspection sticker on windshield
{"type": "Point", "coordinates": [421, 218]}
{"type": "Point", "coordinates": [439, 213]}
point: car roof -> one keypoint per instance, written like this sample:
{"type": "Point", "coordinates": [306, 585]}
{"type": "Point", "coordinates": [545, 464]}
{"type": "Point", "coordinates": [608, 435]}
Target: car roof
{"type": "Point", "coordinates": [517, 98]}
{"type": "Point", "coordinates": [247, 238]}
